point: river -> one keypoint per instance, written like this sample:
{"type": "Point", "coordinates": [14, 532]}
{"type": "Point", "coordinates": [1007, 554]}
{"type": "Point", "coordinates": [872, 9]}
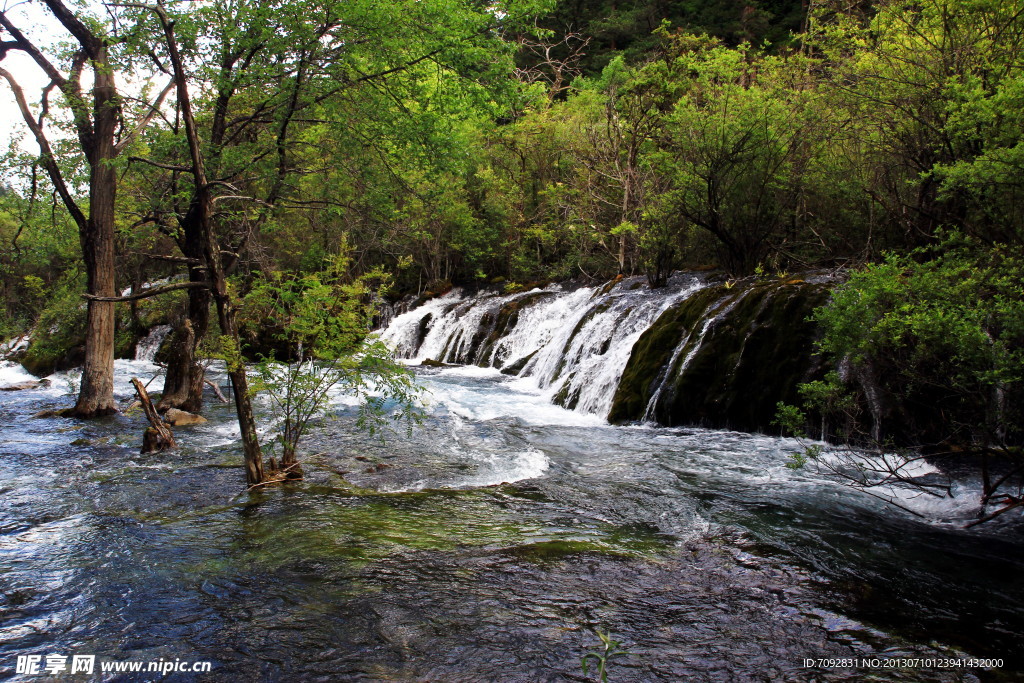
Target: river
{"type": "Point", "coordinates": [493, 543]}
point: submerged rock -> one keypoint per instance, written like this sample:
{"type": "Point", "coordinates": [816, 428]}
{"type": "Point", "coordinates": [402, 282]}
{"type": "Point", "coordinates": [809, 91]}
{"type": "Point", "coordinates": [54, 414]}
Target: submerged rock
{"type": "Point", "coordinates": [27, 384]}
{"type": "Point", "coordinates": [63, 412]}
{"type": "Point", "coordinates": [180, 418]}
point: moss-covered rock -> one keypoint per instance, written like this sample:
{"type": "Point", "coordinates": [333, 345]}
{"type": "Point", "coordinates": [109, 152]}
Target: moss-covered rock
{"type": "Point", "coordinates": [653, 351]}
{"type": "Point", "coordinates": [745, 348]}
{"type": "Point", "coordinates": [45, 360]}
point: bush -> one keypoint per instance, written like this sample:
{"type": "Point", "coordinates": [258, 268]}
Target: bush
{"type": "Point", "coordinates": [931, 347]}
{"type": "Point", "coordinates": [932, 343]}
{"type": "Point", "coordinates": [323, 321]}
{"type": "Point", "coordinates": [59, 331]}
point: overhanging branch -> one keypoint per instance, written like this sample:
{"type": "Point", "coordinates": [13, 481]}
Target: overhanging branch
{"type": "Point", "coordinates": [168, 167]}
{"type": "Point", "coordinates": [152, 291]}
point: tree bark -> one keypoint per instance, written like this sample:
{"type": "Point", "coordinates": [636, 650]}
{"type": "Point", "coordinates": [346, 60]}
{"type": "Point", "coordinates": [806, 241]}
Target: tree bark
{"type": "Point", "coordinates": [183, 384]}
{"type": "Point", "coordinates": [96, 395]}
{"type": "Point", "coordinates": [157, 437]}
{"type": "Point", "coordinates": [183, 387]}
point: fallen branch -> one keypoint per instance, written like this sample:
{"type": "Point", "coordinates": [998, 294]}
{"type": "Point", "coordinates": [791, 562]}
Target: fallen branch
{"type": "Point", "coordinates": [152, 291]}
{"type": "Point", "coordinates": [274, 477]}
{"type": "Point", "coordinates": [216, 390]}
{"type": "Point", "coordinates": [157, 437]}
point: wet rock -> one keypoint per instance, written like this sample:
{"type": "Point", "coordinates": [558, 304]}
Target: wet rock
{"type": "Point", "coordinates": [431, 363]}
{"type": "Point", "coordinates": [85, 441]}
{"type": "Point", "coordinates": [494, 327]}
{"type": "Point", "coordinates": [724, 358]}
{"type": "Point", "coordinates": [63, 412]}
{"type": "Point", "coordinates": [42, 359]}
{"type": "Point", "coordinates": [516, 367]}
{"type": "Point", "coordinates": [180, 418]}
{"type": "Point", "coordinates": [422, 329]}
{"type": "Point", "coordinates": [28, 384]}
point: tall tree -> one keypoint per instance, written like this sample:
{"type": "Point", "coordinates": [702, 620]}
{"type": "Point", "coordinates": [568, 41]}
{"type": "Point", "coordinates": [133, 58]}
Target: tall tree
{"type": "Point", "coordinates": [294, 88]}
{"type": "Point", "coordinates": [98, 117]}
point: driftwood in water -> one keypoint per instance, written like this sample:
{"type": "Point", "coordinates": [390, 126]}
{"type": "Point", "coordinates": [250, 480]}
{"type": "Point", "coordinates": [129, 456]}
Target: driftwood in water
{"type": "Point", "coordinates": [158, 436]}
{"type": "Point", "coordinates": [216, 389]}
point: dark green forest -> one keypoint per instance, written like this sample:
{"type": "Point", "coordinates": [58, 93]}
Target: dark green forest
{"type": "Point", "coordinates": [440, 143]}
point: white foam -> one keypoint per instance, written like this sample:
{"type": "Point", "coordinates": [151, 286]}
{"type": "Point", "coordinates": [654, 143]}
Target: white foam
{"type": "Point", "coordinates": [503, 400]}
{"type": "Point", "coordinates": [12, 373]}
{"type": "Point", "coordinates": [502, 468]}
{"type": "Point", "coordinates": [470, 371]}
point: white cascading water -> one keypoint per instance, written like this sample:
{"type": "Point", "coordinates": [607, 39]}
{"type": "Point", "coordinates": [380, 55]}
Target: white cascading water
{"type": "Point", "coordinates": [573, 343]}
{"type": "Point", "coordinates": [147, 347]}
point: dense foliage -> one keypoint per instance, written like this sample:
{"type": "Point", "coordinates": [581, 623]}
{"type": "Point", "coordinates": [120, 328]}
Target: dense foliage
{"type": "Point", "coordinates": [471, 143]}
{"type": "Point", "coordinates": [934, 343]}
{"type": "Point", "coordinates": [870, 131]}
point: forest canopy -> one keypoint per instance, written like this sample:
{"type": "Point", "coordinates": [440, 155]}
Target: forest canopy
{"type": "Point", "coordinates": [463, 143]}
{"type": "Point", "coordinates": [449, 144]}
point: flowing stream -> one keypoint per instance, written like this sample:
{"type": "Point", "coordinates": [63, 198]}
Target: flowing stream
{"type": "Point", "coordinates": [492, 543]}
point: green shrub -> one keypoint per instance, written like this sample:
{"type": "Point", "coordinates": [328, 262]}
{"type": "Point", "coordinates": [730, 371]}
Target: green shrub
{"type": "Point", "coordinates": [59, 328]}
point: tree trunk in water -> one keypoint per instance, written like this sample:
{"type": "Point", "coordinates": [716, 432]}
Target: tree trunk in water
{"type": "Point", "coordinates": [157, 437]}
{"type": "Point", "coordinates": [243, 407]}
{"type": "Point", "coordinates": [183, 385]}
{"type": "Point", "coordinates": [96, 395]}
{"type": "Point", "coordinates": [289, 463]}
{"type": "Point", "coordinates": [183, 388]}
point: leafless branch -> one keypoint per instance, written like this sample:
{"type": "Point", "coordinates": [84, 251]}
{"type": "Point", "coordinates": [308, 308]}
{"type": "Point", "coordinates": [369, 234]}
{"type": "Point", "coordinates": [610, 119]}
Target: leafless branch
{"type": "Point", "coordinates": [152, 291]}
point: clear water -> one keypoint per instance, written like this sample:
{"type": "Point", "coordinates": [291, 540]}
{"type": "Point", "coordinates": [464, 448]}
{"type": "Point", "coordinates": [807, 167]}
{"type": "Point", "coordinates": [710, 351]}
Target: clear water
{"type": "Point", "coordinates": [491, 544]}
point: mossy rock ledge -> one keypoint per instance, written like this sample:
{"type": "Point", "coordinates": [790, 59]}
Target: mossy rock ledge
{"type": "Point", "coordinates": [724, 357]}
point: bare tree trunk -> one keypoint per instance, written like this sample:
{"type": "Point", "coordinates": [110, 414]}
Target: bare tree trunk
{"type": "Point", "coordinates": [183, 388]}
{"type": "Point", "coordinates": [96, 394]}
{"type": "Point", "coordinates": [236, 371]}
{"type": "Point", "coordinates": [212, 260]}
{"type": "Point", "coordinates": [183, 384]}
{"type": "Point", "coordinates": [157, 437]}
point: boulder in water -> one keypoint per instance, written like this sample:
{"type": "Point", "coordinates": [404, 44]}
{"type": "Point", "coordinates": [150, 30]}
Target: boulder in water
{"type": "Point", "coordinates": [180, 418]}
{"type": "Point", "coordinates": [27, 384]}
{"type": "Point", "coordinates": [63, 412]}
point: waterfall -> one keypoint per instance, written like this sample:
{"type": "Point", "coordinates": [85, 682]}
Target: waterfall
{"type": "Point", "coordinates": [697, 351]}
{"type": "Point", "coordinates": [592, 345]}
{"type": "Point", "coordinates": [573, 342]}
{"type": "Point", "coordinates": [147, 347]}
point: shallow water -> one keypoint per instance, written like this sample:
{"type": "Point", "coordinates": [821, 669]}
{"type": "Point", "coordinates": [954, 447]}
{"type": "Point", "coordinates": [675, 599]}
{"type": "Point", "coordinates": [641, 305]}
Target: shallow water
{"type": "Point", "coordinates": [492, 543]}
